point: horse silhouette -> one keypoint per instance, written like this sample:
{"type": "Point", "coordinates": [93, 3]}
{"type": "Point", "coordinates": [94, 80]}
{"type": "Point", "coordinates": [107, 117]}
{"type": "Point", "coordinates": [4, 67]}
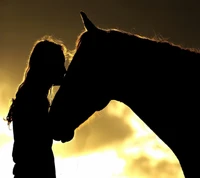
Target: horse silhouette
{"type": "Point", "coordinates": [32, 153]}
{"type": "Point", "coordinates": [155, 78]}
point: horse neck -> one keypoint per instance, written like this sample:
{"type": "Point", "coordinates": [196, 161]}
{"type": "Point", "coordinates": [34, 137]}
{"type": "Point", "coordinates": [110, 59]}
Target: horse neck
{"type": "Point", "coordinates": [143, 82]}
{"type": "Point", "coordinates": [122, 90]}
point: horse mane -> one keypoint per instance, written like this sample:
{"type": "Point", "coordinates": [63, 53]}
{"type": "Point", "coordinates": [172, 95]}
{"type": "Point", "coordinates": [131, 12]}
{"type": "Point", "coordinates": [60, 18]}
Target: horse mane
{"type": "Point", "coordinates": [154, 40]}
{"type": "Point", "coordinates": [127, 36]}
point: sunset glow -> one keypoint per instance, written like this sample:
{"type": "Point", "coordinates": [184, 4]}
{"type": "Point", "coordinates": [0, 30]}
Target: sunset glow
{"type": "Point", "coordinates": [142, 148]}
{"type": "Point", "coordinates": [105, 164]}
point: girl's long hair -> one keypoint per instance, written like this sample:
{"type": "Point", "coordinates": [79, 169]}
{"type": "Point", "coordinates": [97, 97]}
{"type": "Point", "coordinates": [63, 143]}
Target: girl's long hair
{"type": "Point", "coordinates": [37, 67]}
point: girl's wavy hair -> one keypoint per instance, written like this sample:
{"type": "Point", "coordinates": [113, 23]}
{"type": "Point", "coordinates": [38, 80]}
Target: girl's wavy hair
{"type": "Point", "coordinates": [37, 62]}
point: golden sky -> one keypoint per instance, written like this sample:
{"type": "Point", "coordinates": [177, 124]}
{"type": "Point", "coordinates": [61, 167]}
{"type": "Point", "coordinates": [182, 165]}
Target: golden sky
{"type": "Point", "coordinates": [114, 143]}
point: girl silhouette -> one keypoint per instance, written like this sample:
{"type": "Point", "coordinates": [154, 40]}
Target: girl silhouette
{"type": "Point", "coordinates": [32, 149]}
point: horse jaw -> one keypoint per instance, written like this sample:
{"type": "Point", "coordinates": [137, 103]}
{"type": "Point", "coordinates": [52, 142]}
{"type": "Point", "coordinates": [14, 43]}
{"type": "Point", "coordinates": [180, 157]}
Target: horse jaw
{"type": "Point", "coordinates": [89, 26]}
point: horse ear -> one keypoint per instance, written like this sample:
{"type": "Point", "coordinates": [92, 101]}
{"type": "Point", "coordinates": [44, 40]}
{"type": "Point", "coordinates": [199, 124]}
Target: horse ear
{"type": "Point", "coordinates": [89, 26]}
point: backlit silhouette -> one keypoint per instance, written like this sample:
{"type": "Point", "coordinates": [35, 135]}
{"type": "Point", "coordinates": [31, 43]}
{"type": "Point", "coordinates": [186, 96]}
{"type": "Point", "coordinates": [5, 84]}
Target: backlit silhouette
{"type": "Point", "coordinates": [159, 81]}
{"type": "Point", "coordinates": [32, 151]}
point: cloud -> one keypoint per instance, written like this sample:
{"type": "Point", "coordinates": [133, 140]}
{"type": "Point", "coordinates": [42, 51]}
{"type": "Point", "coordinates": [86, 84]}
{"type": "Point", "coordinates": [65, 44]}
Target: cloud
{"type": "Point", "coordinates": [109, 130]}
{"type": "Point", "coordinates": [132, 165]}
{"type": "Point", "coordinates": [147, 167]}
{"type": "Point", "coordinates": [145, 156]}
{"type": "Point", "coordinates": [103, 131]}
